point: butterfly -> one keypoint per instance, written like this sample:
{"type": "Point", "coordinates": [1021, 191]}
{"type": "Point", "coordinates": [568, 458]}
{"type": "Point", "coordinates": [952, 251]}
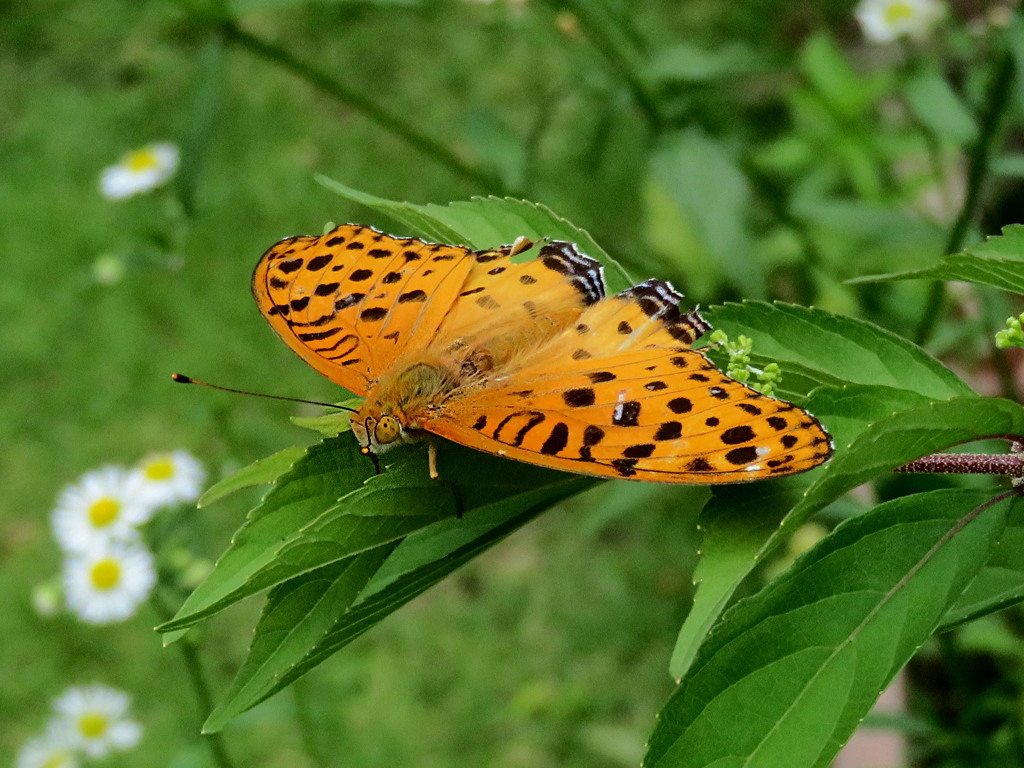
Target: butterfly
{"type": "Point", "coordinates": [526, 359]}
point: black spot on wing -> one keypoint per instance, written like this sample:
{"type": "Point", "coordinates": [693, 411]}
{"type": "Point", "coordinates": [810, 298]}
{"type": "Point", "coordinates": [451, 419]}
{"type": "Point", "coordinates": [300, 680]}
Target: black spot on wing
{"type": "Point", "coordinates": [319, 262]}
{"type": "Point", "coordinates": [326, 289]}
{"type": "Point", "coordinates": [557, 440]}
{"type": "Point", "coordinates": [744, 455]}
{"type": "Point", "coordinates": [736, 435]}
{"type": "Point", "coordinates": [670, 430]}
{"type": "Point", "coordinates": [626, 414]}
{"type": "Point", "coordinates": [639, 451]}
{"type": "Point", "coordinates": [680, 405]}
{"type": "Point", "coordinates": [352, 299]}
{"type": "Point", "coordinates": [578, 398]}
{"type": "Point", "coordinates": [592, 435]}
{"type": "Point", "coordinates": [625, 467]}
{"type": "Point", "coordinates": [414, 296]}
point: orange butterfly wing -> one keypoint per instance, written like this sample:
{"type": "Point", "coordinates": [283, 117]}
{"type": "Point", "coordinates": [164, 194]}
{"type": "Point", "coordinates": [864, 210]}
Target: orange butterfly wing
{"type": "Point", "coordinates": [608, 387]}
{"type": "Point", "coordinates": [352, 301]}
{"type": "Point", "coordinates": [621, 394]}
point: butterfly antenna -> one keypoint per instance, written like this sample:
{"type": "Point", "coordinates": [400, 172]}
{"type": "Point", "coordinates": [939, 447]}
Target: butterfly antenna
{"type": "Point", "coordinates": [182, 379]}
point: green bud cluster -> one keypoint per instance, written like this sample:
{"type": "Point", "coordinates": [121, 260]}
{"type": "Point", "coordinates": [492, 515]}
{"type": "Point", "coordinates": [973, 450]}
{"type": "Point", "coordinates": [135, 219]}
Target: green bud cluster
{"type": "Point", "coordinates": [739, 367]}
{"type": "Point", "coordinates": [1011, 335]}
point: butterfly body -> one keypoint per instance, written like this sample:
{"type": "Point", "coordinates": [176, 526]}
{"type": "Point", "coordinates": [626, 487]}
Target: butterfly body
{"type": "Point", "coordinates": [527, 359]}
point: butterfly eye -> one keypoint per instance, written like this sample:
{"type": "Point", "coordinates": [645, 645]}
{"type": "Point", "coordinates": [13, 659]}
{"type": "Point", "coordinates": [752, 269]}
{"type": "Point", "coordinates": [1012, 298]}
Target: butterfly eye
{"type": "Point", "coordinates": [387, 430]}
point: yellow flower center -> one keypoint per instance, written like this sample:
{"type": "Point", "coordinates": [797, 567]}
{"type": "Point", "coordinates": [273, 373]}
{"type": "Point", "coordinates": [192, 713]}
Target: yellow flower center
{"type": "Point", "coordinates": [93, 725]}
{"type": "Point", "coordinates": [105, 574]}
{"type": "Point", "coordinates": [105, 511]}
{"type": "Point", "coordinates": [142, 160]}
{"type": "Point", "coordinates": [897, 12]}
{"type": "Point", "coordinates": [58, 759]}
{"type": "Point", "coordinates": [162, 469]}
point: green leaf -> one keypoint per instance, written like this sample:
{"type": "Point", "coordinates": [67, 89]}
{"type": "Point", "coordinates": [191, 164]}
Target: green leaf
{"type": "Point", "coordinates": [202, 110]}
{"type": "Point", "coordinates": [736, 523]}
{"type": "Point", "coordinates": [329, 425]}
{"type": "Point", "coordinates": [939, 109]}
{"type": "Point", "coordinates": [319, 604]}
{"type": "Point", "coordinates": [851, 408]}
{"type": "Point", "coordinates": [297, 615]}
{"type": "Point", "coordinates": [260, 472]}
{"type": "Point", "coordinates": [841, 347]}
{"type": "Point", "coordinates": [331, 507]}
{"type": "Point", "coordinates": [828, 69]}
{"type": "Point", "coordinates": [889, 442]}
{"type": "Point", "coordinates": [419, 564]}
{"type": "Point", "coordinates": [805, 659]}
{"type": "Point", "coordinates": [485, 222]}
{"type": "Point", "coordinates": [713, 197]}
{"type": "Point", "coordinates": [998, 262]}
{"type": "Point", "coordinates": [1000, 583]}
{"type": "Point", "coordinates": [314, 484]}
{"type": "Point", "coordinates": [904, 436]}
{"type": "Point", "coordinates": [689, 63]}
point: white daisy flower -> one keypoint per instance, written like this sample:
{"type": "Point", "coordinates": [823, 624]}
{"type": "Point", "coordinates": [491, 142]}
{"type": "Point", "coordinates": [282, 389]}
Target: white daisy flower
{"type": "Point", "coordinates": [51, 750]}
{"type": "Point", "coordinates": [97, 718]}
{"type": "Point", "coordinates": [139, 171]}
{"type": "Point", "coordinates": [105, 504]}
{"type": "Point", "coordinates": [107, 583]}
{"type": "Point", "coordinates": [883, 21]}
{"type": "Point", "coordinates": [171, 478]}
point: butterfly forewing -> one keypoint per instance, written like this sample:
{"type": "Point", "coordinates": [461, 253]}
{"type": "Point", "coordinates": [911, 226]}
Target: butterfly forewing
{"type": "Point", "coordinates": [350, 302]}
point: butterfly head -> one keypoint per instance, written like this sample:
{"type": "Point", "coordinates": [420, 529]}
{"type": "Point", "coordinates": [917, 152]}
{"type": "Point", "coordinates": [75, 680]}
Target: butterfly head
{"type": "Point", "coordinates": [377, 433]}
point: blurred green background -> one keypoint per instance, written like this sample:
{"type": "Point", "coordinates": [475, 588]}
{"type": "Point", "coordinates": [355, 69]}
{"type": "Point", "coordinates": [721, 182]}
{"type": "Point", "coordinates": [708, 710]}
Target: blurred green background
{"type": "Point", "coordinates": [741, 150]}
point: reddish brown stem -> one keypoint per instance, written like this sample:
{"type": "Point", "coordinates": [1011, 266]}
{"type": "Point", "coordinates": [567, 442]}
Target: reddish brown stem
{"type": "Point", "coordinates": [1010, 464]}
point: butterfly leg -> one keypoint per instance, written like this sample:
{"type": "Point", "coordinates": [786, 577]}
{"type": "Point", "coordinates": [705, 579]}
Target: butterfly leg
{"type": "Point", "coordinates": [435, 475]}
{"type": "Point", "coordinates": [432, 459]}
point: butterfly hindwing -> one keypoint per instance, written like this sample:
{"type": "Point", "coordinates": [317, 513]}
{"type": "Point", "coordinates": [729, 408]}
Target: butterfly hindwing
{"type": "Point", "coordinates": [498, 293]}
{"type": "Point", "coordinates": [622, 394]}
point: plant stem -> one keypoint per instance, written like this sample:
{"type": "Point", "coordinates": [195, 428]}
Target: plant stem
{"type": "Point", "coordinates": [600, 32]}
{"type": "Point", "coordinates": [1010, 464]}
{"type": "Point", "coordinates": [190, 656]}
{"type": "Point", "coordinates": [215, 741]}
{"type": "Point", "coordinates": [390, 121]}
{"type": "Point", "coordinates": [997, 101]}
{"type": "Point", "coordinates": [307, 725]}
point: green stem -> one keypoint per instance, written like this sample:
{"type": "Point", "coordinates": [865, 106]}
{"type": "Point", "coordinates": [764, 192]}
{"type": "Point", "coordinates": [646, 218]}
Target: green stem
{"type": "Point", "coordinates": [997, 101]}
{"type": "Point", "coordinates": [194, 669]}
{"type": "Point", "coordinates": [605, 43]}
{"type": "Point", "coordinates": [307, 725]}
{"type": "Point", "coordinates": [385, 118]}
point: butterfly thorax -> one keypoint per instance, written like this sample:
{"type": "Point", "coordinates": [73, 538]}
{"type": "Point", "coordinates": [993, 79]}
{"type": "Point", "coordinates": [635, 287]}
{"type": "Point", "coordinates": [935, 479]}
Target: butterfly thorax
{"type": "Point", "coordinates": [418, 387]}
